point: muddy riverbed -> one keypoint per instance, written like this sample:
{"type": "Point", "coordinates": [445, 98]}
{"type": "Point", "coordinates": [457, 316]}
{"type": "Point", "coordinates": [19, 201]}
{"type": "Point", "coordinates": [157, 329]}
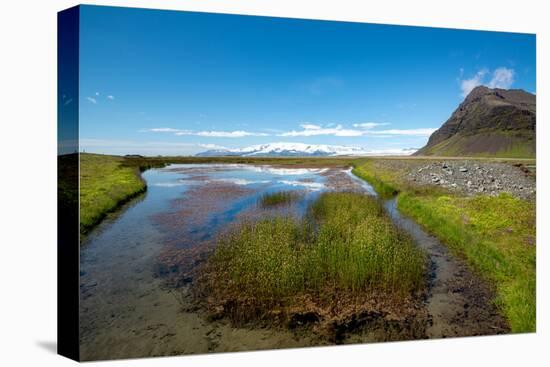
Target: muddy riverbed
{"type": "Point", "coordinates": [137, 267]}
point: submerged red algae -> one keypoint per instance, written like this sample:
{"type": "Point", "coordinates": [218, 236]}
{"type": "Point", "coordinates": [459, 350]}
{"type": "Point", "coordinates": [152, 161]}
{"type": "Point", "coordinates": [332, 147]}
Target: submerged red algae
{"type": "Point", "coordinates": [188, 237]}
{"type": "Point", "coordinates": [189, 218]}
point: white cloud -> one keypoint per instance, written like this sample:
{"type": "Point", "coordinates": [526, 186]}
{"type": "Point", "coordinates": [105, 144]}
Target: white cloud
{"type": "Point", "coordinates": [162, 130]}
{"type": "Point", "coordinates": [213, 146]}
{"type": "Point", "coordinates": [97, 93]}
{"type": "Point", "coordinates": [361, 130]}
{"type": "Point", "coordinates": [467, 85]}
{"type": "Point", "coordinates": [222, 134]}
{"type": "Point", "coordinates": [211, 133]}
{"type": "Point", "coordinates": [310, 126]}
{"type": "Point", "coordinates": [308, 129]}
{"type": "Point", "coordinates": [315, 130]}
{"type": "Point", "coordinates": [502, 78]}
{"type": "Point", "coordinates": [370, 125]}
{"type": "Point", "coordinates": [111, 97]}
{"type": "Point", "coordinates": [92, 100]}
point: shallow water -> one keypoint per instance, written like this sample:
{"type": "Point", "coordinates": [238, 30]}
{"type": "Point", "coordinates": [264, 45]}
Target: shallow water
{"type": "Point", "coordinates": [126, 308]}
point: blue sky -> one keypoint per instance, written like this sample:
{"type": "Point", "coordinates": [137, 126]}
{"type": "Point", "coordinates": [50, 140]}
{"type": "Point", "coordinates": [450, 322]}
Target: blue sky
{"type": "Point", "coordinates": [161, 82]}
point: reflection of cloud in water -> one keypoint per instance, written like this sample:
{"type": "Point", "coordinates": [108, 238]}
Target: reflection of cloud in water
{"type": "Point", "coordinates": [249, 167]}
{"type": "Point", "coordinates": [180, 182]}
{"type": "Point", "coordinates": [286, 171]}
{"type": "Point", "coordinates": [241, 181]}
{"type": "Point", "coordinates": [309, 185]}
{"type": "Point", "coordinates": [168, 184]}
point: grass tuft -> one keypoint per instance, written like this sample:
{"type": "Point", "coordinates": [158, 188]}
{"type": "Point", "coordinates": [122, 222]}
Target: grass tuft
{"type": "Point", "coordinates": [278, 198]}
{"type": "Point", "coordinates": [345, 243]}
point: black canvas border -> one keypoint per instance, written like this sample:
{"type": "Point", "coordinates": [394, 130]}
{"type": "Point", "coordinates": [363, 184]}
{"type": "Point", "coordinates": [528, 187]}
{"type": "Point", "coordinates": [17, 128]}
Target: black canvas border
{"type": "Point", "coordinates": [68, 231]}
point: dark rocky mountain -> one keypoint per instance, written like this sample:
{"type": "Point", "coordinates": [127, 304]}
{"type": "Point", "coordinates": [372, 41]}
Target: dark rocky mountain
{"type": "Point", "coordinates": [490, 122]}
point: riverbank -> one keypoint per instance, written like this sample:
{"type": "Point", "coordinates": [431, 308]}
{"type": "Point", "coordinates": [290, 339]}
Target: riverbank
{"type": "Point", "coordinates": [106, 183]}
{"type": "Point", "coordinates": [493, 230]}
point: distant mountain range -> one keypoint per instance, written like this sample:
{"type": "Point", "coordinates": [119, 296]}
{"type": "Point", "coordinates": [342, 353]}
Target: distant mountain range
{"type": "Point", "coordinates": [301, 150]}
{"type": "Point", "coordinates": [490, 122]}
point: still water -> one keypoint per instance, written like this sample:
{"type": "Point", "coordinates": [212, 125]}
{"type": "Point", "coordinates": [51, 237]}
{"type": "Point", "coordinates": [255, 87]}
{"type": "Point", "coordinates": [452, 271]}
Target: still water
{"type": "Point", "coordinates": [127, 310]}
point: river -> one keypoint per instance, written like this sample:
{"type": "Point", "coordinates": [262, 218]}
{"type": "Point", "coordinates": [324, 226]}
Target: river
{"type": "Point", "coordinates": [129, 310]}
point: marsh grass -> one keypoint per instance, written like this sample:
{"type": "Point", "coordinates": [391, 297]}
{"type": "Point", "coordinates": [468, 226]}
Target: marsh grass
{"type": "Point", "coordinates": [278, 198]}
{"type": "Point", "coordinates": [345, 243]}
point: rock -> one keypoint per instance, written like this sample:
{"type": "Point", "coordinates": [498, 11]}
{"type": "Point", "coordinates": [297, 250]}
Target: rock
{"type": "Point", "coordinates": [491, 178]}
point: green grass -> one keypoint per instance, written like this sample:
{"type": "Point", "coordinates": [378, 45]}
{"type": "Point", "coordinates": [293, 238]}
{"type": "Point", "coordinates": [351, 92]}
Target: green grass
{"type": "Point", "coordinates": [105, 184]}
{"type": "Point", "coordinates": [345, 243]}
{"type": "Point", "coordinates": [278, 198]}
{"type": "Point", "coordinates": [495, 235]}
{"type": "Point", "coordinates": [382, 183]}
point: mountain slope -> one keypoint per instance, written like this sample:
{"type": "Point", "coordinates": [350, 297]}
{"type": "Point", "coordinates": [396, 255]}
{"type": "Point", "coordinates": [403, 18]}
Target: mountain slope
{"type": "Point", "coordinates": [300, 150]}
{"type": "Point", "coordinates": [490, 122]}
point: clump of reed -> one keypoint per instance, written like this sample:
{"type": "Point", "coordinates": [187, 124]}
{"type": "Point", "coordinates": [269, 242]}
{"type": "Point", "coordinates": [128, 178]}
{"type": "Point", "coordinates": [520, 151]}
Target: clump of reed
{"type": "Point", "coordinates": [345, 243]}
{"type": "Point", "coordinates": [278, 198]}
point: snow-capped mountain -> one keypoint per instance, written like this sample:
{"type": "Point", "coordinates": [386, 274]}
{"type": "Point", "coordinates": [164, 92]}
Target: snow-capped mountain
{"type": "Point", "coordinates": [301, 150]}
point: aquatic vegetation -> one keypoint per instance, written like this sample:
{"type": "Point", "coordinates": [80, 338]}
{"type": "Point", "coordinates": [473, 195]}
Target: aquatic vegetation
{"type": "Point", "coordinates": [345, 245]}
{"type": "Point", "coordinates": [279, 198]}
